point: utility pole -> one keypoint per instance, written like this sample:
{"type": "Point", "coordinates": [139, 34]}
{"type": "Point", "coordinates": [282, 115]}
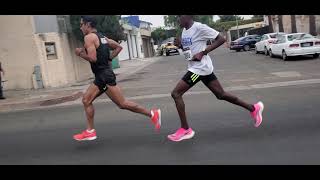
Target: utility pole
{"type": "Point", "coordinates": [237, 26]}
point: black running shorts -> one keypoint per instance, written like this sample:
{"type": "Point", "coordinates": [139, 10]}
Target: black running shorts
{"type": "Point", "coordinates": [191, 78]}
{"type": "Point", "coordinates": [104, 78]}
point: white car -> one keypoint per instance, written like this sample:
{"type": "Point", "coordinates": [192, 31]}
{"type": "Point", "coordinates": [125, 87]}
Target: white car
{"type": "Point", "coordinates": [295, 44]}
{"type": "Point", "coordinates": [264, 44]}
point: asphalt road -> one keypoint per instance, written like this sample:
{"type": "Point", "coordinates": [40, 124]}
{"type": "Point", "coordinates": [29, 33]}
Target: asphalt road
{"type": "Point", "coordinates": [225, 133]}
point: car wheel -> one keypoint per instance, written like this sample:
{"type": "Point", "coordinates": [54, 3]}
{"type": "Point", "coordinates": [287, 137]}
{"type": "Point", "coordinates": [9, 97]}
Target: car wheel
{"type": "Point", "coordinates": [270, 53]}
{"type": "Point", "coordinates": [238, 50]}
{"type": "Point", "coordinates": [266, 52]}
{"type": "Point", "coordinates": [167, 54]}
{"type": "Point", "coordinates": [284, 55]}
{"type": "Point", "coordinates": [246, 48]}
{"type": "Point", "coordinates": [315, 55]}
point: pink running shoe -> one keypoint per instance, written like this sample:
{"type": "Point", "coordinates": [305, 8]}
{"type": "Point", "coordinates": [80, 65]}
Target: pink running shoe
{"type": "Point", "coordinates": [257, 113]}
{"type": "Point", "coordinates": [181, 134]}
{"type": "Point", "coordinates": [156, 118]}
{"type": "Point", "coordinates": [85, 136]}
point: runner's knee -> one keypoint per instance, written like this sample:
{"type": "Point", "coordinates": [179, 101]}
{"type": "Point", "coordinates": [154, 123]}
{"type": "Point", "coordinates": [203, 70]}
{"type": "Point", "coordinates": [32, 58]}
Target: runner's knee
{"type": "Point", "coordinates": [123, 105]}
{"type": "Point", "coordinates": [226, 96]}
{"type": "Point", "coordinates": [175, 95]}
{"type": "Point", "coordinates": [221, 95]}
{"type": "Point", "coordinates": [86, 101]}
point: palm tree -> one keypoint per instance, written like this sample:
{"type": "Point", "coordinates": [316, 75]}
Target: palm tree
{"type": "Point", "coordinates": [280, 23]}
{"type": "Point", "coordinates": [293, 24]}
{"type": "Point", "coordinates": [270, 24]}
{"type": "Point", "coordinates": [312, 25]}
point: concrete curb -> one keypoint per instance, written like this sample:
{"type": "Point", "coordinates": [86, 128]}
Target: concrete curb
{"type": "Point", "coordinates": [60, 100]}
{"type": "Point", "coordinates": [48, 102]}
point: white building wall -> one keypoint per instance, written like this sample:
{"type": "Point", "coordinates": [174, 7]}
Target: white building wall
{"type": "Point", "coordinates": [134, 46]}
{"type": "Point", "coordinates": [124, 54]}
{"type": "Point", "coordinates": [139, 45]}
{"type": "Point", "coordinates": [130, 45]}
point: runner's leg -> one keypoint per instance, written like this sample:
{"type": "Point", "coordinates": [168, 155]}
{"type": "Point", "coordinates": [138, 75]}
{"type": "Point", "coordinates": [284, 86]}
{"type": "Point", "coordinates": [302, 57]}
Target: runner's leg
{"type": "Point", "coordinates": [177, 94]}
{"type": "Point", "coordinates": [90, 95]}
{"type": "Point", "coordinates": [219, 92]}
{"type": "Point", "coordinates": [115, 94]}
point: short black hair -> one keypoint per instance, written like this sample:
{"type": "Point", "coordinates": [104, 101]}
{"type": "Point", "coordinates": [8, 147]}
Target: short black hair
{"type": "Point", "coordinates": [90, 19]}
{"type": "Point", "coordinates": [191, 16]}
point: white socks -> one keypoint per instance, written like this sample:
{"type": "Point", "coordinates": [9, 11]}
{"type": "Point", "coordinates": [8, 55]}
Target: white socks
{"type": "Point", "coordinates": [90, 131]}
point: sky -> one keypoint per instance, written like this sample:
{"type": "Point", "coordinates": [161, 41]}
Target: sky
{"type": "Point", "coordinates": [157, 20]}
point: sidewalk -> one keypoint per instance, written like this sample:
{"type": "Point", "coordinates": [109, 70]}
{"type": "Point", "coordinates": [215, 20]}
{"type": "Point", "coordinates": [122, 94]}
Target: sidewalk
{"type": "Point", "coordinates": [28, 99]}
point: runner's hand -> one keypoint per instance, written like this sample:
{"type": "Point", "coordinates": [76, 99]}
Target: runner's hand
{"type": "Point", "coordinates": [177, 42]}
{"type": "Point", "coordinates": [78, 51]}
{"type": "Point", "coordinates": [197, 57]}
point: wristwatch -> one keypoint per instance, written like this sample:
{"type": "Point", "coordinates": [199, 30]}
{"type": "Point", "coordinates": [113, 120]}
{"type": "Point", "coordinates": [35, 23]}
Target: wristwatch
{"type": "Point", "coordinates": [204, 52]}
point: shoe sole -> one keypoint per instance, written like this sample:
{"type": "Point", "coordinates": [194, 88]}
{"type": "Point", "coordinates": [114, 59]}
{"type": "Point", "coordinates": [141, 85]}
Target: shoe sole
{"type": "Point", "coordinates": [260, 112]}
{"type": "Point", "coordinates": [159, 111]}
{"type": "Point", "coordinates": [159, 120]}
{"type": "Point", "coordinates": [87, 139]}
{"type": "Point", "coordinates": [189, 136]}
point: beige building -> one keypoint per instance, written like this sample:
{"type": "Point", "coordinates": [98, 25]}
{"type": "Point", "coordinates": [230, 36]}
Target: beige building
{"type": "Point", "coordinates": [232, 33]}
{"type": "Point", "coordinates": [147, 41]}
{"type": "Point", "coordinates": [302, 23]}
{"type": "Point", "coordinates": [36, 51]}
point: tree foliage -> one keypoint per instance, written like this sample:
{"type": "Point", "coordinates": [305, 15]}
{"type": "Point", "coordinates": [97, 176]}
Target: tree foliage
{"type": "Point", "coordinates": [226, 18]}
{"type": "Point", "coordinates": [107, 24]}
{"type": "Point", "coordinates": [173, 21]}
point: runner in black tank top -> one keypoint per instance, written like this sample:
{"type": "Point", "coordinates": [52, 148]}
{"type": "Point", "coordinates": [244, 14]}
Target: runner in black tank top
{"type": "Point", "coordinates": [102, 68]}
{"type": "Point", "coordinates": [103, 55]}
{"type": "Point", "coordinates": [97, 52]}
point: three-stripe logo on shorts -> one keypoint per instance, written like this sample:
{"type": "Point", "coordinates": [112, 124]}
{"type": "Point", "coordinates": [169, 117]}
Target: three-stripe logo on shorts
{"type": "Point", "coordinates": [194, 77]}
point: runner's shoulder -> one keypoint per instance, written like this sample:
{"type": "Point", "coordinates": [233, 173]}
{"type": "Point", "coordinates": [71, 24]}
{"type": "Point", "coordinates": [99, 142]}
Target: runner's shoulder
{"type": "Point", "coordinates": [91, 36]}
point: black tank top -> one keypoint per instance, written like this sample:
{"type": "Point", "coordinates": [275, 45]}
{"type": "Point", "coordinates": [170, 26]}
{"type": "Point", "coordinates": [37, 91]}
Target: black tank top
{"type": "Point", "coordinates": [103, 56]}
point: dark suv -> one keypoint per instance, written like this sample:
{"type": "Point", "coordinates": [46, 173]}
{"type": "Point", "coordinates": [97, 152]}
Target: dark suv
{"type": "Point", "coordinates": [245, 43]}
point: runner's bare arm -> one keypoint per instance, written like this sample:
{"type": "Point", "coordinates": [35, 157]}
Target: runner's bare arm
{"type": "Point", "coordinates": [177, 42]}
{"type": "Point", "coordinates": [91, 54]}
{"type": "Point", "coordinates": [215, 44]}
{"type": "Point", "coordinates": [116, 47]}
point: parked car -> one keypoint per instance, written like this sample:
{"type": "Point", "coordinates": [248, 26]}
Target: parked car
{"type": "Point", "coordinates": [245, 43]}
{"type": "Point", "coordinates": [264, 44]}
{"type": "Point", "coordinates": [171, 49]}
{"type": "Point", "coordinates": [295, 44]}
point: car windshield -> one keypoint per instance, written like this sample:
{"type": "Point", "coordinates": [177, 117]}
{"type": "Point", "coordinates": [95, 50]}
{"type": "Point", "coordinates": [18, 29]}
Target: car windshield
{"type": "Point", "coordinates": [298, 36]}
{"type": "Point", "coordinates": [240, 39]}
{"type": "Point", "coordinates": [273, 35]}
{"type": "Point", "coordinates": [276, 35]}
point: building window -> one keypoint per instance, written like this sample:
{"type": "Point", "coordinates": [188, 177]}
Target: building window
{"type": "Point", "coordinates": [51, 50]}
